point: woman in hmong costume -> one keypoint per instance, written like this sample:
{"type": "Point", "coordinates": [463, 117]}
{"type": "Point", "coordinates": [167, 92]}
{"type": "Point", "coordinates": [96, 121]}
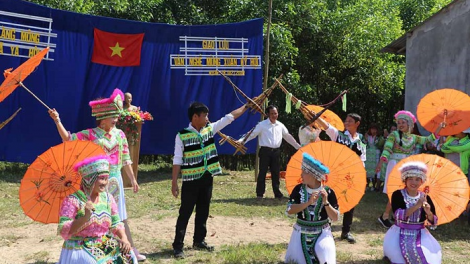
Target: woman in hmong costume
{"type": "Point", "coordinates": [373, 144]}
{"type": "Point", "coordinates": [114, 143]}
{"type": "Point", "coordinates": [89, 220]}
{"type": "Point", "coordinates": [408, 241]}
{"type": "Point", "coordinates": [399, 145]}
{"type": "Point", "coordinates": [457, 149]}
{"type": "Point", "coordinates": [315, 205]}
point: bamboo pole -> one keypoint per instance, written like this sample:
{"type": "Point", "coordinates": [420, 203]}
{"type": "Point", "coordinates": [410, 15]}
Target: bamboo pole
{"type": "Point", "coordinates": [4, 123]}
{"type": "Point", "coordinates": [250, 103]}
{"type": "Point", "coordinates": [310, 115]}
{"type": "Point", "coordinates": [239, 147]}
{"type": "Point", "coordinates": [266, 74]}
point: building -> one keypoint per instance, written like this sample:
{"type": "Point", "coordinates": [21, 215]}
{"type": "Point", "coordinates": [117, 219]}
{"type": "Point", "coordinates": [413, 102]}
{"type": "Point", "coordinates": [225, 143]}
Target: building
{"type": "Point", "coordinates": [437, 53]}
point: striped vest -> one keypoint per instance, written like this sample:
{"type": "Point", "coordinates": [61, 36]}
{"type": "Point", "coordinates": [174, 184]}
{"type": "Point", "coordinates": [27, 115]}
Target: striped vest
{"type": "Point", "coordinates": [199, 154]}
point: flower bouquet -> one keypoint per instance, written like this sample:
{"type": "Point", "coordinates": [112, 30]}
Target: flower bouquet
{"type": "Point", "coordinates": [128, 121]}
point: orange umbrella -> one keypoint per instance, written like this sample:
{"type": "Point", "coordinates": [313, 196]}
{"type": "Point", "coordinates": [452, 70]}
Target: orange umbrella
{"type": "Point", "coordinates": [15, 78]}
{"type": "Point", "coordinates": [446, 184]}
{"type": "Point", "coordinates": [51, 178]}
{"type": "Point", "coordinates": [347, 173]}
{"type": "Point", "coordinates": [445, 105]}
{"type": "Point", "coordinates": [329, 116]}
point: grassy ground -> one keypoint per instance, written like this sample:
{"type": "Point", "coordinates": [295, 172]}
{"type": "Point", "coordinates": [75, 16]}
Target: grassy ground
{"type": "Point", "coordinates": [234, 196]}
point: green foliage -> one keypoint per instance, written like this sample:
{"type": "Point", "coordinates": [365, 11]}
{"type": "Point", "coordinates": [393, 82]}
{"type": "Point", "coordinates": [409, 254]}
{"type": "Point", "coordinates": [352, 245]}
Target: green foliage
{"type": "Point", "coordinates": [413, 12]}
{"type": "Point", "coordinates": [321, 46]}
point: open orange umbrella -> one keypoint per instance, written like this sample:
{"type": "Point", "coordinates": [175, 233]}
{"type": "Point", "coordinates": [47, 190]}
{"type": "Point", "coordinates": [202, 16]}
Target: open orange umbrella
{"type": "Point", "coordinates": [347, 175]}
{"type": "Point", "coordinates": [446, 184]}
{"type": "Point", "coordinates": [15, 78]}
{"type": "Point", "coordinates": [51, 178]}
{"type": "Point", "coordinates": [329, 116]}
{"type": "Point", "coordinates": [445, 105]}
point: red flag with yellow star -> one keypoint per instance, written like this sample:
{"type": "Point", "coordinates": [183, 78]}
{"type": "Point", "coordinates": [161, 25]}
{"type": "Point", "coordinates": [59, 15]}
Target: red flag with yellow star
{"type": "Point", "coordinates": [117, 49]}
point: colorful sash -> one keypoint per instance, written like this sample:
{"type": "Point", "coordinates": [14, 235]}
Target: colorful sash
{"type": "Point", "coordinates": [410, 234]}
{"type": "Point", "coordinates": [103, 249]}
{"type": "Point", "coordinates": [310, 231]}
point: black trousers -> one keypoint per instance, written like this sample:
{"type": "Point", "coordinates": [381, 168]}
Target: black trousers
{"type": "Point", "coordinates": [196, 193]}
{"type": "Point", "coordinates": [347, 221]}
{"type": "Point", "coordinates": [268, 157]}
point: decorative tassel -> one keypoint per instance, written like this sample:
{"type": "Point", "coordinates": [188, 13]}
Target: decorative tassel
{"type": "Point", "coordinates": [344, 100]}
{"type": "Point", "coordinates": [298, 104]}
{"type": "Point", "coordinates": [288, 102]}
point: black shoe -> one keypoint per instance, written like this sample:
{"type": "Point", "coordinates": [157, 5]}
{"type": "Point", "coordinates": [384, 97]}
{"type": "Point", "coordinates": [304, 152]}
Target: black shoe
{"type": "Point", "coordinates": [202, 246]}
{"type": "Point", "coordinates": [385, 222]}
{"type": "Point", "coordinates": [259, 197]}
{"type": "Point", "coordinates": [279, 197]}
{"type": "Point", "coordinates": [386, 260]}
{"type": "Point", "coordinates": [348, 238]}
{"type": "Point", "coordinates": [178, 254]}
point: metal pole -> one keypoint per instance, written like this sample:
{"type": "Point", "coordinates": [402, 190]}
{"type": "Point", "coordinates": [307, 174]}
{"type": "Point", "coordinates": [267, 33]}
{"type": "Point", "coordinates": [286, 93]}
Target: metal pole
{"type": "Point", "coordinates": [266, 73]}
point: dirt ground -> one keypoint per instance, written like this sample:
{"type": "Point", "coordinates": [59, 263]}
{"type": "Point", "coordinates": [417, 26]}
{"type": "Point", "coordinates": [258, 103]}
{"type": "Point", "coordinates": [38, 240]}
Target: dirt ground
{"type": "Point", "coordinates": [41, 242]}
{"type": "Point", "coordinates": [20, 245]}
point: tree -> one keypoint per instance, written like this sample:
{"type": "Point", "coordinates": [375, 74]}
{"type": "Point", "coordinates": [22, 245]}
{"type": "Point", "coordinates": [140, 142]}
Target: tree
{"type": "Point", "coordinates": [321, 46]}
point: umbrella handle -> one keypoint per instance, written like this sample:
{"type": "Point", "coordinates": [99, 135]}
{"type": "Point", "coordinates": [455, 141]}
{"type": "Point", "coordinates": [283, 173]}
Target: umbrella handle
{"type": "Point", "coordinates": [37, 98]}
{"type": "Point", "coordinates": [445, 116]}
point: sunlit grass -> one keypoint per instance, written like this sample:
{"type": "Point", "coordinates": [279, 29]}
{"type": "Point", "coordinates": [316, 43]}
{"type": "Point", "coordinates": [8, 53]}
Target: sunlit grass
{"type": "Point", "coordinates": [233, 196]}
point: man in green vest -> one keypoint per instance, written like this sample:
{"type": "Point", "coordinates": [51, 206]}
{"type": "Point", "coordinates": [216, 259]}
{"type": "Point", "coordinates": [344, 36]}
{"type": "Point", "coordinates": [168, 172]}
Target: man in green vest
{"type": "Point", "coordinates": [196, 158]}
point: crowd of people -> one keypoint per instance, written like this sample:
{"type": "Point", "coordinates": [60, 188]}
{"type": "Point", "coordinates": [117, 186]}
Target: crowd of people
{"type": "Point", "coordinates": [93, 221]}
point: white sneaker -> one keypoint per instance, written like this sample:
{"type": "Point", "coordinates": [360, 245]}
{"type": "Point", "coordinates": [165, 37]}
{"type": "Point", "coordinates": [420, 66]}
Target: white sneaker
{"type": "Point", "coordinates": [139, 256]}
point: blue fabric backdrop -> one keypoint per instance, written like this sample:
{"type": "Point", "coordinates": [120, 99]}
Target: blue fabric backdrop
{"type": "Point", "coordinates": [70, 81]}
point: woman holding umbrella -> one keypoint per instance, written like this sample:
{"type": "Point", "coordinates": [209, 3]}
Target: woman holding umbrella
{"type": "Point", "coordinates": [114, 143]}
{"type": "Point", "coordinates": [408, 241]}
{"type": "Point", "coordinates": [315, 205]}
{"type": "Point", "coordinates": [89, 220]}
{"type": "Point", "coordinates": [399, 145]}
{"type": "Point", "coordinates": [457, 149]}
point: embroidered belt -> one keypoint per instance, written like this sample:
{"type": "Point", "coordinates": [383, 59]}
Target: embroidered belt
{"type": "Point", "coordinates": [308, 227]}
{"type": "Point", "coordinates": [410, 226]}
{"type": "Point", "coordinates": [78, 242]}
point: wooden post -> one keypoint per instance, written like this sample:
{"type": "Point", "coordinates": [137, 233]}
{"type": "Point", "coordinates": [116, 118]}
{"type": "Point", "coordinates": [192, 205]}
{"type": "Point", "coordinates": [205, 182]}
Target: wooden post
{"type": "Point", "coordinates": [134, 152]}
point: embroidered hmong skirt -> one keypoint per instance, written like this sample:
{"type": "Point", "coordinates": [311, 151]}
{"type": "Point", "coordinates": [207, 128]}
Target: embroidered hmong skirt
{"type": "Point", "coordinates": [430, 248]}
{"type": "Point", "coordinates": [311, 248]}
{"type": "Point", "coordinates": [94, 250]}
{"type": "Point", "coordinates": [373, 155]}
{"type": "Point", "coordinates": [116, 188]}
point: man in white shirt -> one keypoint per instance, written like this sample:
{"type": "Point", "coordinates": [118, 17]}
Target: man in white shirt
{"type": "Point", "coordinates": [270, 133]}
{"type": "Point", "coordinates": [197, 160]}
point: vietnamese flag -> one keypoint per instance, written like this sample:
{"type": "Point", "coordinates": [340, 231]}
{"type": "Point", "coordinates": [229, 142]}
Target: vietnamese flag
{"type": "Point", "coordinates": [117, 49]}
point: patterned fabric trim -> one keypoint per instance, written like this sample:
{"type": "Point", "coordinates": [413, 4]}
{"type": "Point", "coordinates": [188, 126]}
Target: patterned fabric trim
{"type": "Point", "coordinates": [410, 239]}
{"type": "Point", "coordinates": [103, 249]}
{"type": "Point", "coordinates": [201, 157]}
{"type": "Point", "coordinates": [311, 228]}
{"type": "Point", "coordinates": [196, 173]}
{"type": "Point", "coordinates": [195, 157]}
{"type": "Point", "coordinates": [308, 242]}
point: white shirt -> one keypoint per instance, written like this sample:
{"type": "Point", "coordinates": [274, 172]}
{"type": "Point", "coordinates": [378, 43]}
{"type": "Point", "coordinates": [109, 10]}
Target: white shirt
{"type": "Point", "coordinates": [332, 132]}
{"type": "Point", "coordinates": [307, 135]}
{"type": "Point", "coordinates": [271, 135]}
{"type": "Point", "coordinates": [216, 126]}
